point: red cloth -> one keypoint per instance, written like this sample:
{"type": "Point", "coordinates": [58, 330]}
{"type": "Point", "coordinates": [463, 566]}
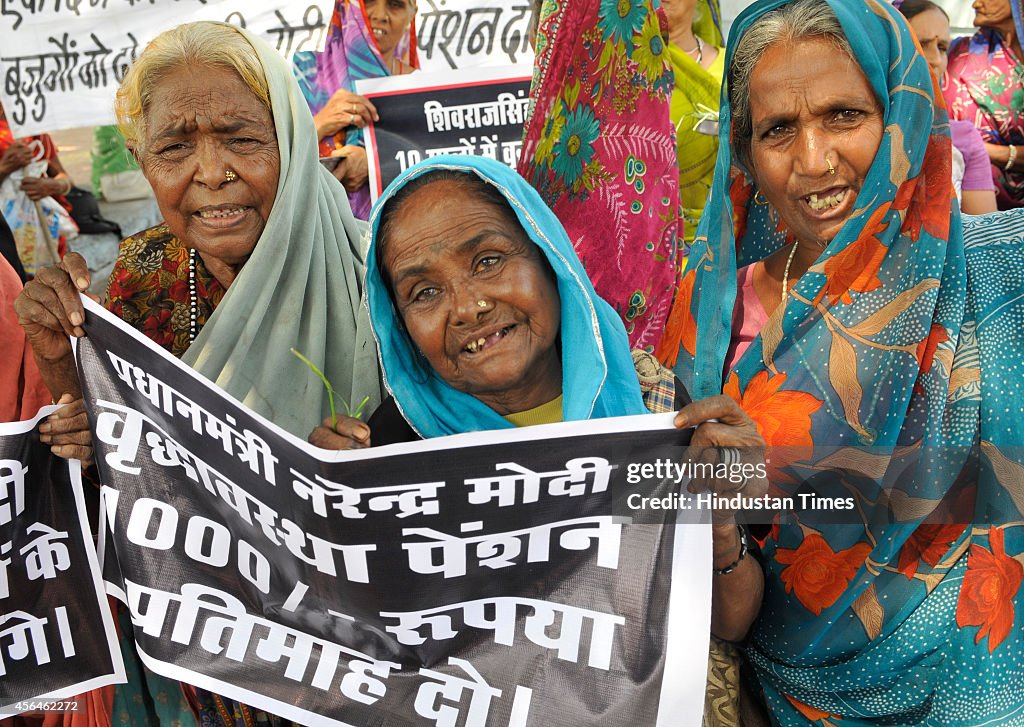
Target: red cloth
{"type": "Point", "coordinates": [22, 391]}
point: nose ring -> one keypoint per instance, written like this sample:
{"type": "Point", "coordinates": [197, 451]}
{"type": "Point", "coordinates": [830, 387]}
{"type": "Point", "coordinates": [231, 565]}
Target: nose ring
{"type": "Point", "coordinates": [229, 175]}
{"type": "Point", "coordinates": [831, 169]}
{"type": "Point", "coordinates": [482, 303]}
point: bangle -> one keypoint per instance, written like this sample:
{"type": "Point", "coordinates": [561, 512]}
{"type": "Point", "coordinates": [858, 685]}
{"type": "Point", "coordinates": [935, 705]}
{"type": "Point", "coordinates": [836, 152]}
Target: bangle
{"type": "Point", "coordinates": [1012, 158]}
{"type": "Point", "coordinates": [68, 185]}
{"type": "Point", "coordinates": [739, 558]}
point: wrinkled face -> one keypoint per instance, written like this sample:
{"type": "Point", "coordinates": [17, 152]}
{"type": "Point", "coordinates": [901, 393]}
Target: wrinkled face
{"type": "Point", "coordinates": [992, 13]}
{"type": "Point", "coordinates": [805, 113]}
{"type": "Point", "coordinates": [201, 123]}
{"type": "Point", "coordinates": [476, 296]}
{"type": "Point", "coordinates": [679, 12]}
{"type": "Point", "coordinates": [932, 30]}
{"type": "Point", "coordinates": [389, 20]}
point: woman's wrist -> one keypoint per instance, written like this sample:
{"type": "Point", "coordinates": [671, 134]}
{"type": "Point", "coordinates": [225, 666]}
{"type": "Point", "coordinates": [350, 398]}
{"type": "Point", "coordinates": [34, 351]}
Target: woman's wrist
{"type": "Point", "coordinates": [1011, 158]}
{"type": "Point", "coordinates": [729, 549]}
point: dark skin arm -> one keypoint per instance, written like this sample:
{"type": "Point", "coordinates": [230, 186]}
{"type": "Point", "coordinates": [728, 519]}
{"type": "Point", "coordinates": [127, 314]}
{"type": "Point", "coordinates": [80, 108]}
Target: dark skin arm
{"type": "Point", "coordinates": [50, 310]}
{"type": "Point", "coordinates": [735, 597]}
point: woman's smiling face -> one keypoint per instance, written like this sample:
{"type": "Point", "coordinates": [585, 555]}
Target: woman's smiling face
{"type": "Point", "coordinates": [200, 124]}
{"type": "Point", "coordinates": [476, 296]}
{"type": "Point", "coordinates": [812, 105]}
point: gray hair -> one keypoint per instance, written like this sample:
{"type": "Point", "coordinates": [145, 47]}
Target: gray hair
{"type": "Point", "coordinates": [197, 45]}
{"type": "Point", "coordinates": [795, 21]}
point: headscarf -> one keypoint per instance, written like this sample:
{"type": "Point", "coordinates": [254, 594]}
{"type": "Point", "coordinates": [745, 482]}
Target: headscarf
{"type": "Point", "coordinates": [894, 350]}
{"type": "Point", "coordinates": [350, 54]}
{"type": "Point", "coordinates": [600, 148]}
{"type": "Point", "coordinates": [299, 289]}
{"type": "Point", "coordinates": [598, 378]}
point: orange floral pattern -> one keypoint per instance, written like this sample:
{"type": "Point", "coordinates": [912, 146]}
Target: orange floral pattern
{"type": "Point", "coordinates": [783, 418]}
{"type": "Point", "coordinates": [855, 268]}
{"type": "Point", "coordinates": [808, 711]}
{"type": "Point", "coordinates": [818, 575]}
{"type": "Point", "coordinates": [990, 585]}
{"type": "Point", "coordinates": [926, 197]}
{"type": "Point", "coordinates": [929, 543]}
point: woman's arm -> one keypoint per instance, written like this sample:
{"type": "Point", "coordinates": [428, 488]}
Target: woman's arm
{"type": "Point", "coordinates": [977, 202]}
{"type": "Point", "coordinates": [738, 582]}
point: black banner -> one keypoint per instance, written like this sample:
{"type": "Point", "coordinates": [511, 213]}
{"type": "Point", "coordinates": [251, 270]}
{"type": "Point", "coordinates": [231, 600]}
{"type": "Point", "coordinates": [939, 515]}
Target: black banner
{"type": "Point", "coordinates": [428, 115]}
{"type": "Point", "coordinates": [57, 636]}
{"type": "Point", "coordinates": [474, 580]}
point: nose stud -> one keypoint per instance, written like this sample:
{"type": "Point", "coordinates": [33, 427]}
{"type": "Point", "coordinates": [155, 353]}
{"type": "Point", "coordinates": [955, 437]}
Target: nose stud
{"type": "Point", "coordinates": [229, 175]}
{"type": "Point", "coordinates": [831, 169]}
{"type": "Point", "coordinates": [482, 303]}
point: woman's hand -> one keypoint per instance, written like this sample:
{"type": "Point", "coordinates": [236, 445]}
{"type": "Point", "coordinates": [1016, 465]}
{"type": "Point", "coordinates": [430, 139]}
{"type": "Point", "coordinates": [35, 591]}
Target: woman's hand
{"type": "Point", "coordinates": [350, 433]}
{"type": "Point", "coordinates": [50, 310]}
{"type": "Point", "coordinates": [342, 110]}
{"type": "Point", "coordinates": [16, 156]}
{"type": "Point", "coordinates": [352, 171]}
{"type": "Point", "coordinates": [39, 187]}
{"type": "Point", "coordinates": [67, 431]}
{"type": "Point", "coordinates": [725, 432]}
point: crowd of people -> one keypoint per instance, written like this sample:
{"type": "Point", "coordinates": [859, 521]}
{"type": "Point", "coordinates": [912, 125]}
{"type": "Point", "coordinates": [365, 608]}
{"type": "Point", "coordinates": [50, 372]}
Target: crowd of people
{"type": "Point", "coordinates": [828, 253]}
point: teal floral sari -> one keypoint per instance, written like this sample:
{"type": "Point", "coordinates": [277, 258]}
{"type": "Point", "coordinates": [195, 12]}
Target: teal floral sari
{"type": "Point", "coordinates": [891, 377]}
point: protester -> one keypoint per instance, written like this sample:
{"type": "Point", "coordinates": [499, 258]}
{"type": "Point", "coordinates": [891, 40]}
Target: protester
{"type": "Point", "coordinates": [600, 148]}
{"type": "Point", "coordinates": [509, 332]}
{"type": "Point", "coordinates": [972, 175]}
{"type": "Point", "coordinates": [869, 324]}
{"type": "Point", "coordinates": [366, 39]}
{"type": "Point", "coordinates": [985, 87]}
{"type": "Point", "coordinates": [204, 285]}
{"type": "Point", "coordinates": [698, 62]}
{"type": "Point", "coordinates": [33, 184]}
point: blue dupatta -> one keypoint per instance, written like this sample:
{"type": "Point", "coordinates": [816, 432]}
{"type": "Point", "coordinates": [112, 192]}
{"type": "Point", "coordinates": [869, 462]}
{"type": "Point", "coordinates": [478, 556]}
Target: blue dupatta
{"type": "Point", "coordinates": [897, 343]}
{"type": "Point", "coordinates": [598, 378]}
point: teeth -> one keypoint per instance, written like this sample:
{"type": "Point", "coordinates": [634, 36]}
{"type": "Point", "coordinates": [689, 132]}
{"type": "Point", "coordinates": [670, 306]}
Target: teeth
{"type": "Point", "coordinates": [474, 346]}
{"type": "Point", "coordinates": [823, 203]}
{"type": "Point", "coordinates": [220, 213]}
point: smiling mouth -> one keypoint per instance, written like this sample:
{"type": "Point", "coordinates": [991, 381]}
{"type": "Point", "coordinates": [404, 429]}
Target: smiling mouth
{"type": "Point", "coordinates": [819, 203]}
{"type": "Point", "coordinates": [485, 342]}
{"type": "Point", "coordinates": [379, 32]}
{"type": "Point", "coordinates": [219, 212]}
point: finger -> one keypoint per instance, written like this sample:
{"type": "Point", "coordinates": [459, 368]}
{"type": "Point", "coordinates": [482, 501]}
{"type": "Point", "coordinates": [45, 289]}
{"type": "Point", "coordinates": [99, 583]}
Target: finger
{"type": "Point", "coordinates": [73, 451]}
{"type": "Point", "coordinates": [364, 107]}
{"type": "Point", "coordinates": [327, 438]}
{"type": "Point", "coordinates": [723, 408]}
{"type": "Point", "coordinates": [717, 434]}
{"type": "Point", "coordinates": [78, 269]}
{"type": "Point", "coordinates": [39, 306]}
{"type": "Point", "coordinates": [75, 425]}
{"type": "Point", "coordinates": [60, 282]}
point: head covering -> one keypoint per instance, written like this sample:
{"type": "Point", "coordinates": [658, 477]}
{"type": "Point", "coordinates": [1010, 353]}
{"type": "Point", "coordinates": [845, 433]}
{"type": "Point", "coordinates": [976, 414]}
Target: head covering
{"type": "Point", "coordinates": [350, 54]}
{"type": "Point", "coordinates": [891, 349]}
{"type": "Point", "coordinates": [600, 148]}
{"type": "Point", "coordinates": [299, 289]}
{"type": "Point", "coordinates": [598, 378]}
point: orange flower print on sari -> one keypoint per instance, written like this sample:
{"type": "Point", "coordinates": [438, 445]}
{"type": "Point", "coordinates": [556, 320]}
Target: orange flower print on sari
{"type": "Point", "coordinates": [818, 575]}
{"type": "Point", "coordinates": [855, 268]}
{"type": "Point", "coordinates": [810, 712]}
{"type": "Point", "coordinates": [926, 197]}
{"type": "Point", "coordinates": [928, 543]}
{"type": "Point", "coordinates": [926, 348]}
{"type": "Point", "coordinates": [739, 195]}
{"type": "Point", "coordinates": [990, 584]}
{"type": "Point", "coordinates": [681, 328]}
{"type": "Point", "coordinates": [783, 418]}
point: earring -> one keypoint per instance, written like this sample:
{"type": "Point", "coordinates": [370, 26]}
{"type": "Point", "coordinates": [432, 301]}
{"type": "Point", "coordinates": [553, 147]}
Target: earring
{"type": "Point", "coordinates": [759, 199]}
{"type": "Point", "coordinates": [831, 169]}
{"type": "Point", "coordinates": [229, 175]}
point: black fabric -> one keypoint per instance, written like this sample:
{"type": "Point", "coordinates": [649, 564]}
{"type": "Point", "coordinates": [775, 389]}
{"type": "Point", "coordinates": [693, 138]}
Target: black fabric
{"type": "Point", "coordinates": [9, 250]}
{"type": "Point", "coordinates": [85, 211]}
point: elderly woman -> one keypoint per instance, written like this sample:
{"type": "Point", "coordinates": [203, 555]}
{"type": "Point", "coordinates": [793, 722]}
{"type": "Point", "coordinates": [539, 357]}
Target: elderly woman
{"type": "Point", "coordinates": [865, 319]}
{"type": "Point", "coordinates": [367, 39]}
{"type": "Point", "coordinates": [486, 320]}
{"type": "Point", "coordinates": [985, 86]}
{"type": "Point", "coordinates": [259, 252]}
{"type": "Point", "coordinates": [972, 172]}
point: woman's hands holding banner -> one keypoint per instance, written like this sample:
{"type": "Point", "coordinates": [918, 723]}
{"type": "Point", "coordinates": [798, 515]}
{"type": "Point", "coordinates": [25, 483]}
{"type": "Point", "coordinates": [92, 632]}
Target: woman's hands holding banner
{"type": "Point", "coordinates": [349, 433]}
